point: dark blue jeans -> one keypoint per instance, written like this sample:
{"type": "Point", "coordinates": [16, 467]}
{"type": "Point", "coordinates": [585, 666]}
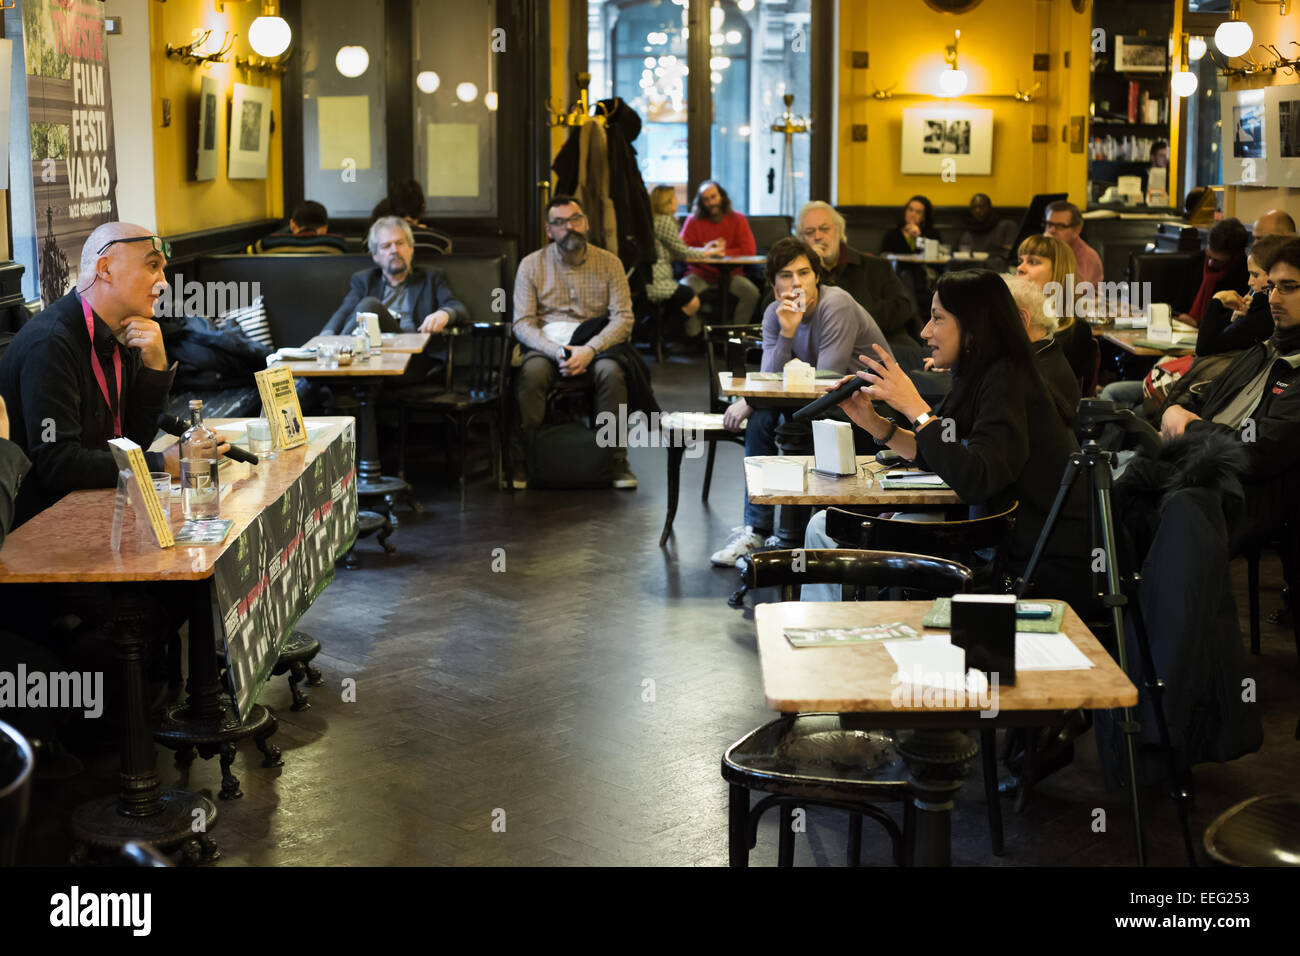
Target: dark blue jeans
{"type": "Point", "coordinates": [760, 439]}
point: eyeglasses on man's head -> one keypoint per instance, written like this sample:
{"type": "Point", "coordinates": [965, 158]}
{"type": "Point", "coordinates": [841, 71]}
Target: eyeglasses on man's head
{"type": "Point", "coordinates": [156, 243]}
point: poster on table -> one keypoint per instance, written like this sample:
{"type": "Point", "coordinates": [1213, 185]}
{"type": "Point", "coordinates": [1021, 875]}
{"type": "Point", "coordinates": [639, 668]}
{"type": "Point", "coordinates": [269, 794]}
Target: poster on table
{"type": "Point", "coordinates": [70, 110]}
{"type": "Point", "coordinates": [939, 140]}
{"type": "Point", "coordinates": [1247, 146]}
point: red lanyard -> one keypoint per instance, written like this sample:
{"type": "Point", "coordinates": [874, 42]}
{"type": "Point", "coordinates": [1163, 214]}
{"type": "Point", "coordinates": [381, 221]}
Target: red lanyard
{"type": "Point", "coordinates": [98, 369]}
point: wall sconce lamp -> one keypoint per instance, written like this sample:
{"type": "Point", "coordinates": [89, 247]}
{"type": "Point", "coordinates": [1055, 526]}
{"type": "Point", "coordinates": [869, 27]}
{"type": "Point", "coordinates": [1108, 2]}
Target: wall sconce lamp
{"type": "Point", "coordinates": [194, 53]}
{"type": "Point", "coordinates": [1234, 36]}
{"type": "Point", "coordinates": [269, 34]}
{"type": "Point", "coordinates": [1183, 82]}
{"type": "Point", "coordinates": [952, 81]}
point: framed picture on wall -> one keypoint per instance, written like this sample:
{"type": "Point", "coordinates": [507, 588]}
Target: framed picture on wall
{"type": "Point", "coordinates": [1282, 134]}
{"type": "Point", "coordinates": [1136, 54]}
{"type": "Point", "coordinates": [206, 167]}
{"type": "Point", "coordinates": [940, 139]}
{"type": "Point", "coordinates": [1247, 148]}
{"type": "Point", "coordinates": [250, 131]}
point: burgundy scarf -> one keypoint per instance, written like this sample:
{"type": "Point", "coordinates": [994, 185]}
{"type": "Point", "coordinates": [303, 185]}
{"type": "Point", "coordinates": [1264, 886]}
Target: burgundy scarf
{"type": "Point", "coordinates": [1210, 275]}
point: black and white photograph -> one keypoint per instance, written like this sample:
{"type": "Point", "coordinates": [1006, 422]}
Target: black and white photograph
{"type": "Point", "coordinates": [1288, 118]}
{"type": "Point", "coordinates": [939, 139]}
{"type": "Point", "coordinates": [1141, 54]}
{"type": "Point", "coordinates": [250, 131]}
{"type": "Point", "coordinates": [206, 159]}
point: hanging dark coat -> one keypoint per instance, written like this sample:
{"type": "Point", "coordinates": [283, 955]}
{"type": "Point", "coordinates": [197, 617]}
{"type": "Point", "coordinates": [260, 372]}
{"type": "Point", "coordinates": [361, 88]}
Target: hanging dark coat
{"type": "Point", "coordinates": [635, 223]}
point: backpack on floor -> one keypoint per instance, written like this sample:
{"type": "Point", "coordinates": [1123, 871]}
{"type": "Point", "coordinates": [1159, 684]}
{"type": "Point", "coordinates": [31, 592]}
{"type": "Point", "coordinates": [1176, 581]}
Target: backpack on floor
{"type": "Point", "coordinates": [567, 456]}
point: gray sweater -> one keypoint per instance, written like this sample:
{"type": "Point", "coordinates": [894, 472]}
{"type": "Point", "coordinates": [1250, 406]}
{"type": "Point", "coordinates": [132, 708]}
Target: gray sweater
{"type": "Point", "coordinates": [831, 336]}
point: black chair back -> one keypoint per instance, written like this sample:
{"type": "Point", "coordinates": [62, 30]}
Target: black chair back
{"type": "Point", "coordinates": [716, 338]}
{"type": "Point", "coordinates": [950, 539]}
{"type": "Point", "coordinates": [16, 762]}
{"type": "Point", "coordinates": [863, 570]}
{"type": "Point", "coordinates": [768, 229]}
{"type": "Point", "coordinates": [489, 364]}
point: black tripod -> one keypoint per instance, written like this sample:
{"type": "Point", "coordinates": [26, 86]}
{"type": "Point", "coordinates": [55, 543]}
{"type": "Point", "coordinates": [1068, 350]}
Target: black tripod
{"type": "Point", "coordinates": [1098, 465]}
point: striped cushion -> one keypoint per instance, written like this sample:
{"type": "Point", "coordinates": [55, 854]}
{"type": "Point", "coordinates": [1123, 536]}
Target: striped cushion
{"type": "Point", "coordinates": [252, 321]}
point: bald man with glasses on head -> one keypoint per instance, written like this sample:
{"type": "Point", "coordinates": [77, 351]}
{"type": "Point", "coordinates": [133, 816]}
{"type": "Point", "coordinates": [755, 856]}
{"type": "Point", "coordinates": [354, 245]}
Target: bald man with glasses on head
{"type": "Point", "coordinates": [89, 368]}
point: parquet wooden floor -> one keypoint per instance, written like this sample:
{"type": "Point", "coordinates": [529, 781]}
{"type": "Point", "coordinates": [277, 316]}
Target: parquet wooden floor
{"type": "Point", "coordinates": [584, 696]}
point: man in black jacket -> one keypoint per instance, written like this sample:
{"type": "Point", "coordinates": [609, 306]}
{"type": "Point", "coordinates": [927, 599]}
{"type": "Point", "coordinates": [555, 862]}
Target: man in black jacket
{"type": "Point", "coordinates": [420, 297]}
{"type": "Point", "coordinates": [67, 397]}
{"type": "Point", "coordinates": [869, 279]}
{"type": "Point", "coordinates": [1257, 399]}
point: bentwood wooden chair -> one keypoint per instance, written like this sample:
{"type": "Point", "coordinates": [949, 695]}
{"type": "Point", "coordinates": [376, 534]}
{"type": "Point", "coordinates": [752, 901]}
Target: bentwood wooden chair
{"type": "Point", "coordinates": [676, 429]}
{"type": "Point", "coordinates": [16, 763]}
{"type": "Point", "coordinates": [477, 392]}
{"type": "Point", "coordinates": [1261, 831]}
{"type": "Point", "coordinates": [815, 759]}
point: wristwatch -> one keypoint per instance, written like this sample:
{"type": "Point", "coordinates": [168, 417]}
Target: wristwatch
{"type": "Point", "coordinates": [921, 420]}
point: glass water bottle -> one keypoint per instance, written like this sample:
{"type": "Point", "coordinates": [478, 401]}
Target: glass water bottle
{"type": "Point", "coordinates": [200, 487]}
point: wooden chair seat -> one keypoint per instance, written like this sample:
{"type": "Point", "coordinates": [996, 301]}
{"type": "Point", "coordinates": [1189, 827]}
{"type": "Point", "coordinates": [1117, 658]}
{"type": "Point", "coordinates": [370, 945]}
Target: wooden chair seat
{"type": "Point", "coordinates": [817, 753]}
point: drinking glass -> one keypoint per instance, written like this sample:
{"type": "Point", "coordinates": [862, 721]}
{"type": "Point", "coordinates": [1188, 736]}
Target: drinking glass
{"type": "Point", "coordinates": [259, 439]}
{"type": "Point", "coordinates": [162, 486]}
{"type": "Point", "coordinates": [327, 356]}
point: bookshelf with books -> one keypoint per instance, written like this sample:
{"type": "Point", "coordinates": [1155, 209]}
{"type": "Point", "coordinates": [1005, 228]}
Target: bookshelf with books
{"type": "Point", "coordinates": [1131, 98]}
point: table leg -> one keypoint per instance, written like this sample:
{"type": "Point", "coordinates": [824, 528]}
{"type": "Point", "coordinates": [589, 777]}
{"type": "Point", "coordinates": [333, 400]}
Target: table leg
{"type": "Point", "coordinates": [371, 482]}
{"type": "Point", "coordinates": [938, 762]}
{"type": "Point", "coordinates": [724, 286]}
{"type": "Point", "coordinates": [793, 438]}
{"type": "Point", "coordinates": [141, 810]}
{"type": "Point", "coordinates": [207, 721]}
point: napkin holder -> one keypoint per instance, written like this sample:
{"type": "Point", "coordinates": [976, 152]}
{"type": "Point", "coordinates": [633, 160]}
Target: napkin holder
{"type": "Point", "coordinates": [784, 475]}
{"type": "Point", "coordinates": [833, 448]}
{"type": "Point", "coordinates": [798, 374]}
{"type": "Point", "coordinates": [736, 358]}
{"type": "Point", "coordinates": [1160, 327]}
{"type": "Point", "coordinates": [984, 625]}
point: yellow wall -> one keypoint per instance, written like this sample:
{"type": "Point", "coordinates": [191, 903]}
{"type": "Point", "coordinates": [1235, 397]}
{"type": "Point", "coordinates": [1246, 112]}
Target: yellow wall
{"type": "Point", "coordinates": [559, 69]}
{"type": "Point", "coordinates": [183, 204]}
{"type": "Point", "coordinates": [998, 39]}
{"type": "Point", "coordinates": [1247, 202]}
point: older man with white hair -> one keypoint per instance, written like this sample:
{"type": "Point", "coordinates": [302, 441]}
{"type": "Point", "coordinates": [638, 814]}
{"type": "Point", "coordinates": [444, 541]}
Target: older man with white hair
{"type": "Point", "coordinates": [406, 298]}
{"type": "Point", "coordinates": [89, 368]}
{"type": "Point", "coordinates": [869, 279]}
{"type": "Point", "coordinates": [1040, 326]}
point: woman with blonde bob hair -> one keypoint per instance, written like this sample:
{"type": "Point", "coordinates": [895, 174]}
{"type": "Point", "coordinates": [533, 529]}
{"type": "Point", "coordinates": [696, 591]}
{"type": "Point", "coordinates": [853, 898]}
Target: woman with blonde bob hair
{"type": "Point", "coordinates": [1043, 260]}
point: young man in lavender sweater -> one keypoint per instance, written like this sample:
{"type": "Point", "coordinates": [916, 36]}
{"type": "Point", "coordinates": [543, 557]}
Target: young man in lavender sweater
{"type": "Point", "coordinates": [818, 324]}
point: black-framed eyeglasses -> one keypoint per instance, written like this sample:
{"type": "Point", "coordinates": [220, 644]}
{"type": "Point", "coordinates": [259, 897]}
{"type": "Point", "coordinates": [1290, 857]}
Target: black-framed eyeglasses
{"type": "Point", "coordinates": [156, 243]}
{"type": "Point", "coordinates": [571, 221]}
{"type": "Point", "coordinates": [1048, 224]}
{"type": "Point", "coordinates": [1286, 288]}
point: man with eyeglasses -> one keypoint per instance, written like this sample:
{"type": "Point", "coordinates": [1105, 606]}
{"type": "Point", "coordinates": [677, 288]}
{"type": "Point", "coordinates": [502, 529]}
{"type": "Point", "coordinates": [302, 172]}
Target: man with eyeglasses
{"type": "Point", "coordinates": [1256, 399]}
{"type": "Point", "coordinates": [1065, 222]}
{"type": "Point", "coordinates": [89, 368]}
{"type": "Point", "coordinates": [870, 280]}
{"type": "Point", "coordinates": [572, 304]}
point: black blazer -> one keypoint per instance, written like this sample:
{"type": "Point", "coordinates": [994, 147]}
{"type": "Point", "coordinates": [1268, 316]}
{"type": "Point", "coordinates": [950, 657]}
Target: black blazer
{"type": "Point", "coordinates": [1011, 445]}
{"type": "Point", "coordinates": [432, 294]}
{"type": "Point", "coordinates": [47, 382]}
{"type": "Point", "coordinates": [894, 241]}
{"type": "Point", "coordinates": [1057, 375]}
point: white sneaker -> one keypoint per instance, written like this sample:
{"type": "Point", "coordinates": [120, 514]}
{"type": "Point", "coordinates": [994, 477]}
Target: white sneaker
{"type": "Point", "coordinates": [742, 542]}
{"type": "Point", "coordinates": [769, 543]}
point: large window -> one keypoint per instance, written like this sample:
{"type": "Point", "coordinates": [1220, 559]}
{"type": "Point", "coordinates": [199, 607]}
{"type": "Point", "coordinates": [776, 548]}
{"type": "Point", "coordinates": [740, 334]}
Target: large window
{"type": "Point", "coordinates": [759, 51]}
{"type": "Point", "coordinates": [345, 155]}
{"type": "Point", "coordinates": [455, 132]}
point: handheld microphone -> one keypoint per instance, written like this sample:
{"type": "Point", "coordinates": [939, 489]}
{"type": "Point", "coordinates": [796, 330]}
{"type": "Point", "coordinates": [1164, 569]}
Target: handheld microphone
{"type": "Point", "coordinates": [829, 400]}
{"type": "Point", "coordinates": [174, 426]}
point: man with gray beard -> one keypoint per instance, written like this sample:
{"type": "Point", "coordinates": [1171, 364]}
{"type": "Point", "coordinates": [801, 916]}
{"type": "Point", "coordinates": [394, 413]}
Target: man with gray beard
{"type": "Point", "coordinates": [557, 289]}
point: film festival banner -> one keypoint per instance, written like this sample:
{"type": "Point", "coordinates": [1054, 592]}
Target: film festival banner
{"type": "Point", "coordinates": [269, 577]}
{"type": "Point", "coordinates": [74, 169]}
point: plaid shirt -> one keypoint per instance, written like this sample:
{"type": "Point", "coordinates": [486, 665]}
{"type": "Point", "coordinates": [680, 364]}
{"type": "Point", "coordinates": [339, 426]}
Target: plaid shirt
{"type": "Point", "coordinates": [547, 289]}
